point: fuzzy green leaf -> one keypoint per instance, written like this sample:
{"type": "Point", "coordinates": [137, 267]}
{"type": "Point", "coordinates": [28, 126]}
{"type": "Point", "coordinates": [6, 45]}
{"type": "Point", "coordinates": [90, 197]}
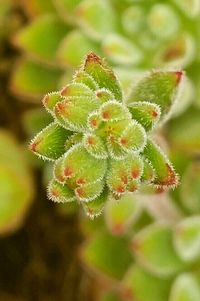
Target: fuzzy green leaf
{"type": "Point", "coordinates": [89, 192]}
{"type": "Point", "coordinates": [94, 208]}
{"type": "Point", "coordinates": [133, 138]}
{"type": "Point", "coordinates": [83, 168]}
{"type": "Point", "coordinates": [121, 173]}
{"type": "Point", "coordinates": [84, 78]}
{"type": "Point", "coordinates": [60, 193]}
{"type": "Point", "coordinates": [95, 146]}
{"type": "Point", "coordinates": [102, 75]}
{"type": "Point", "coordinates": [148, 172]}
{"type": "Point", "coordinates": [159, 88]}
{"type": "Point", "coordinates": [77, 90]}
{"type": "Point", "coordinates": [50, 142]}
{"type": "Point", "coordinates": [114, 111]}
{"type": "Point", "coordinates": [165, 175]}
{"type": "Point", "coordinates": [50, 100]}
{"type": "Point", "coordinates": [73, 113]}
{"type": "Point", "coordinates": [147, 114]}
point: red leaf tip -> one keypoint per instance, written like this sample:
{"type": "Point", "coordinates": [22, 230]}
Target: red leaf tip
{"type": "Point", "coordinates": [105, 115]}
{"type": "Point", "coordinates": [123, 141]}
{"type": "Point", "coordinates": [91, 140]}
{"type": "Point", "coordinates": [179, 75]}
{"type": "Point", "coordinates": [93, 122]}
{"type": "Point", "coordinates": [154, 114]}
{"type": "Point", "coordinates": [135, 173]}
{"type": "Point", "coordinates": [68, 171]}
{"type": "Point", "coordinates": [33, 146]}
{"type": "Point", "coordinates": [65, 91]}
{"type": "Point", "coordinates": [92, 57]}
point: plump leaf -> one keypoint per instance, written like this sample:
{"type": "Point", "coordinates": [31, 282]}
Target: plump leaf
{"type": "Point", "coordinates": [159, 87]}
{"type": "Point", "coordinates": [121, 173]}
{"type": "Point", "coordinates": [60, 193]}
{"type": "Point", "coordinates": [153, 248]}
{"type": "Point", "coordinates": [33, 80]}
{"type": "Point", "coordinates": [163, 21]}
{"type": "Point", "coordinates": [50, 100]}
{"type": "Point", "coordinates": [148, 172]}
{"type": "Point", "coordinates": [133, 138]}
{"type": "Point", "coordinates": [80, 165]}
{"type": "Point", "coordinates": [102, 75]}
{"type": "Point", "coordinates": [100, 254]}
{"type": "Point", "coordinates": [73, 113]}
{"type": "Point", "coordinates": [133, 19]}
{"type": "Point", "coordinates": [121, 50]}
{"type": "Point", "coordinates": [41, 38]}
{"type": "Point", "coordinates": [77, 90]}
{"type": "Point", "coordinates": [17, 187]}
{"type": "Point", "coordinates": [177, 52]}
{"type": "Point", "coordinates": [114, 111]}
{"type": "Point", "coordinates": [50, 142]}
{"type": "Point", "coordinates": [89, 192]}
{"type": "Point", "coordinates": [140, 285]}
{"type": "Point", "coordinates": [165, 175]}
{"type": "Point", "coordinates": [96, 18]}
{"type": "Point", "coordinates": [147, 114]}
{"type": "Point", "coordinates": [187, 238]}
{"type": "Point", "coordinates": [185, 288]}
{"type": "Point", "coordinates": [95, 146]}
{"type": "Point", "coordinates": [84, 78]}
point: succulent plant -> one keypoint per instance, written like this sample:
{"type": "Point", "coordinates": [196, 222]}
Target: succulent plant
{"type": "Point", "coordinates": [100, 143]}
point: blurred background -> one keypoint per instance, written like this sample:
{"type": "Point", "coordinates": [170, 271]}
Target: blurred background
{"type": "Point", "coordinates": [148, 247]}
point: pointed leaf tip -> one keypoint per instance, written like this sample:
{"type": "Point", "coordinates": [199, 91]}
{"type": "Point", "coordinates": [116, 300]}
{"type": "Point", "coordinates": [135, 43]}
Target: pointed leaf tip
{"type": "Point", "coordinates": [50, 142]}
{"type": "Point", "coordinates": [92, 57]}
{"type": "Point", "coordinates": [160, 88]}
{"type": "Point", "coordinates": [103, 75]}
{"type": "Point", "coordinates": [179, 76]}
